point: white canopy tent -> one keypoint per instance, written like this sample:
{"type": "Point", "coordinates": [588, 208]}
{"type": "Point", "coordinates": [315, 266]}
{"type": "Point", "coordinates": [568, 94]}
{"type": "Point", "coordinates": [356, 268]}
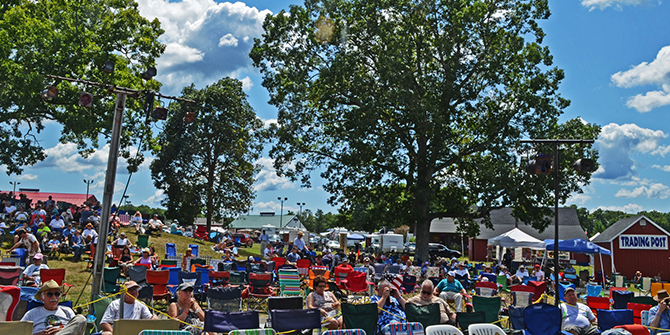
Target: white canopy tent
{"type": "Point", "coordinates": [515, 238]}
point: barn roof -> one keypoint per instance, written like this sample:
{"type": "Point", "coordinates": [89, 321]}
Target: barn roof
{"type": "Point", "coordinates": [503, 221]}
{"type": "Point", "coordinates": [621, 226]}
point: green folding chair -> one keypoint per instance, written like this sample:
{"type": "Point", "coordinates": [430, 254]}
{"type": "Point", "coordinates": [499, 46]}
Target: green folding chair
{"type": "Point", "coordinates": [110, 276]}
{"type": "Point", "coordinates": [464, 320]}
{"type": "Point", "coordinates": [98, 309]}
{"type": "Point", "coordinates": [489, 305]}
{"type": "Point", "coordinates": [360, 317]}
{"type": "Point", "coordinates": [644, 300]}
{"type": "Point", "coordinates": [143, 241]}
{"type": "Point", "coordinates": [428, 315]}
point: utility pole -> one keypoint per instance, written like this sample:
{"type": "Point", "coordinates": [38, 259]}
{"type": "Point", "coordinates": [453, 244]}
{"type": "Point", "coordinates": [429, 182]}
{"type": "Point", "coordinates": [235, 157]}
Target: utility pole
{"type": "Point", "coordinates": [88, 183]}
{"type": "Point", "coordinates": [14, 183]}
{"type": "Point", "coordinates": [281, 213]}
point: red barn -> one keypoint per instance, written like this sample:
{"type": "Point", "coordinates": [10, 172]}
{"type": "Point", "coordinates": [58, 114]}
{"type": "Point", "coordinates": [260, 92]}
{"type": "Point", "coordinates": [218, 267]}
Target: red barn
{"type": "Point", "coordinates": [636, 243]}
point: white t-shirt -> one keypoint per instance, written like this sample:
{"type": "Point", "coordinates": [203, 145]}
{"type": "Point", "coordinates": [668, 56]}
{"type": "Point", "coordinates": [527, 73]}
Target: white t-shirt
{"type": "Point", "coordinates": [136, 220]}
{"type": "Point", "coordinates": [89, 232]}
{"type": "Point", "coordinates": [57, 223]}
{"type": "Point", "coordinates": [123, 241]}
{"type": "Point", "coordinates": [28, 240]}
{"type": "Point", "coordinates": [43, 318]}
{"type": "Point", "coordinates": [21, 216]}
{"type": "Point", "coordinates": [520, 274]}
{"type": "Point", "coordinates": [134, 311]}
{"type": "Point", "coordinates": [463, 272]}
{"type": "Point", "coordinates": [578, 316]}
{"type": "Point", "coordinates": [155, 223]}
{"type": "Point", "coordinates": [94, 219]}
{"type": "Point", "coordinates": [539, 274]}
{"type": "Point", "coordinates": [10, 209]}
{"type": "Point", "coordinates": [30, 269]}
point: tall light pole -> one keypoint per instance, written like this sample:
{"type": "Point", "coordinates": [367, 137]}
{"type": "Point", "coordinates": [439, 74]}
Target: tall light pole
{"type": "Point", "coordinates": [14, 183]}
{"type": "Point", "coordinates": [281, 213]}
{"type": "Point", "coordinates": [300, 212]}
{"type": "Point", "coordinates": [88, 184]}
{"type": "Point", "coordinates": [557, 178]}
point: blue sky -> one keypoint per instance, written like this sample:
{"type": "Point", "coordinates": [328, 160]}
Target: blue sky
{"type": "Point", "coordinates": [615, 53]}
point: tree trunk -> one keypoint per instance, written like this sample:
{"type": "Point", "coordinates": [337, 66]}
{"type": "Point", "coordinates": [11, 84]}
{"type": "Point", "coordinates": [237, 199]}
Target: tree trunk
{"type": "Point", "coordinates": [422, 215]}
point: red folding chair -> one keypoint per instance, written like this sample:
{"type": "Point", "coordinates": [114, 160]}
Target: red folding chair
{"type": "Point", "coordinates": [637, 311]}
{"type": "Point", "coordinates": [357, 282]}
{"type": "Point", "coordinates": [219, 278]}
{"type": "Point", "coordinates": [540, 288]}
{"type": "Point", "coordinates": [159, 280]}
{"type": "Point", "coordinates": [616, 289]}
{"type": "Point", "coordinates": [341, 274]}
{"type": "Point", "coordinates": [303, 266]}
{"type": "Point", "coordinates": [596, 303]}
{"type": "Point", "coordinates": [486, 289]}
{"type": "Point", "coordinates": [279, 261]}
{"type": "Point", "coordinates": [9, 275]}
{"type": "Point", "coordinates": [635, 329]}
{"type": "Point", "coordinates": [258, 290]}
{"type": "Point", "coordinates": [58, 275]}
{"type": "Point", "coordinates": [11, 294]}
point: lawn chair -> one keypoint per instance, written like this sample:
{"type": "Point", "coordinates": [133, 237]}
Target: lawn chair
{"type": "Point", "coordinates": [259, 331]}
{"type": "Point", "coordinates": [284, 320]}
{"type": "Point", "coordinates": [360, 317]}
{"type": "Point", "coordinates": [408, 283]}
{"type": "Point", "coordinates": [464, 320]}
{"type": "Point", "coordinates": [644, 286]}
{"type": "Point", "coordinates": [542, 319]}
{"type": "Point", "coordinates": [489, 305]}
{"type": "Point", "coordinates": [427, 315]}
{"type": "Point", "coordinates": [9, 299]}
{"type": "Point", "coordinates": [486, 289]}
{"type": "Point", "coordinates": [110, 276]}
{"type": "Point", "coordinates": [303, 266]}
{"type": "Point", "coordinates": [98, 309]}
{"type": "Point", "coordinates": [403, 328]}
{"type": "Point", "coordinates": [164, 332]}
{"type": "Point", "coordinates": [516, 317]}
{"type": "Point", "coordinates": [17, 327]}
{"type": "Point", "coordinates": [644, 300]}
{"type": "Point", "coordinates": [168, 263]}
{"type": "Point", "coordinates": [195, 249]}
{"type": "Point", "coordinates": [218, 278]}
{"type": "Point", "coordinates": [317, 271]}
{"type": "Point", "coordinates": [443, 330]}
{"type": "Point", "coordinates": [597, 303]}
{"type": "Point", "coordinates": [146, 295]}
{"type": "Point", "coordinates": [283, 303]}
{"type": "Point", "coordinates": [340, 275]}
{"type": "Point", "coordinates": [637, 311]}
{"type": "Point", "coordinates": [142, 241]}
{"type": "Point", "coordinates": [125, 326]}
{"type": "Point", "coordinates": [593, 290]}
{"type": "Point", "coordinates": [200, 233]}
{"type": "Point", "coordinates": [159, 281]}
{"type": "Point", "coordinates": [57, 275]}
{"type": "Point", "coordinates": [289, 282]}
{"type": "Point", "coordinates": [192, 278]}
{"type": "Point", "coordinates": [345, 332]}
{"type": "Point", "coordinates": [170, 250]}
{"type": "Point", "coordinates": [279, 261]}
{"type": "Point", "coordinates": [655, 287]}
{"type": "Point", "coordinates": [618, 281]}
{"type": "Point", "coordinates": [138, 274]}
{"type": "Point", "coordinates": [225, 299]}
{"type": "Point", "coordinates": [258, 290]}
{"type": "Point", "coordinates": [562, 286]}
{"type": "Point", "coordinates": [540, 288]}
{"type": "Point", "coordinates": [225, 322]}
{"type": "Point", "coordinates": [379, 271]}
{"type": "Point", "coordinates": [621, 299]}
{"type": "Point", "coordinates": [484, 329]}
{"type": "Point", "coordinates": [522, 295]}
{"type": "Point", "coordinates": [609, 319]}
{"type": "Point", "coordinates": [637, 329]}
{"type": "Point", "coordinates": [357, 282]}
{"type": "Point", "coordinates": [394, 269]}
{"type": "Point", "coordinates": [238, 278]}
{"type": "Point", "coordinates": [9, 275]}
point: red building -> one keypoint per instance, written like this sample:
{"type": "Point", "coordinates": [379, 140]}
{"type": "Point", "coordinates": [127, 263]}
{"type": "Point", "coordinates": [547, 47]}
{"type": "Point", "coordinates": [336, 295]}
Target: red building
{"type": "Point", "coordinates": [636, 243]}
{"type": "Point", "coordinates": [71, 198]}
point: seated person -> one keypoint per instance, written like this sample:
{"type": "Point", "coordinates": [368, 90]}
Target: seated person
{"type": "Point", "coordinates": [487, 269]}
{"type": "Point", "coordinates": [52, 318]}
{"type": "Point", "coordinates": [186, 309]}
{"type": "Point", "coordinates": [132, 309]}
{"type": "Point", "coordinates": [659, 315]}
{"type": "Point", "coordinates": [392, 303]}
{"type": "Point", "coordinates": [505, 272]}
{"type": "Point", "coordinates": [126, 260]}
{"type": "Point", "coordinates": [53, 244]}
{"type": "Point", "coordinates": [537, 274]}
{"type": "Point", "coordinates": [31, 274]}
{"type": "Point", "coordinates": [577, 317]}
{"type": "Point", "coordinates": [461, 273]}
{"type": "Point", "coordinates": [345, 264]}
{"type": "Point", "coordinates": [521, 274]}
{"type": "Point", "coordinates": [426, 297]}
{"type": "Point", "coordinates": [146, 259]}
{"type": "Point", "coordinates": [175, 229]}
{"type": "Point", "coordinates": [293, 256]}
{"type": "Point", "coordinates": [184, 259]}
{"type": "Point", "coordinates": [326, 302]}
{"type": "Point", "coordinates": [89, 234]}
{"type": "Point", "coordinates": [122, 241]}
{"type": "Point", "coordinates": [77, 244]}
{"type": "Point", "coordinates": [451, 289]}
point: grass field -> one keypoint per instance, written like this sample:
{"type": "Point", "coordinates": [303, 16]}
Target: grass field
{"type": "Point", "coordinates": [78, 275]}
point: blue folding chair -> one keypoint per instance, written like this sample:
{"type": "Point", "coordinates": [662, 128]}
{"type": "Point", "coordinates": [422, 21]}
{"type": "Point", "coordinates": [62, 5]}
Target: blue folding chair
{"type": "Point", "coordinates": [621, 299]}
{"type": "Point", "coordinates": [593, 290]}
{"type": "Point", "coordinates": [193, 278]}
{"type": "Point", "coordinates": [194, 249]}
{"type": "Point", "coordinates": [170, 250]}
{"type": "Point", "coordinates": [608, 319]}
{"type": "Point", "coordinates": [224, 322]}
{"type": "Point", "coordinates": [403, 328]}
{"type": "Point", "coordinates": [561, 289]}
{"type": "Point", "coordinates": [542, 319]}
{"type": "Point", "coordinates": [517, 318]}
{"type": "Point", "coordinates": [491, 276]}
{"type": "Point", "coordinates": [295, 319]}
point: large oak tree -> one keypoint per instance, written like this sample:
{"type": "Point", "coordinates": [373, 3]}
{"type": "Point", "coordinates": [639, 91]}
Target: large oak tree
{"type": "Point", "coordinates": [415, 108]}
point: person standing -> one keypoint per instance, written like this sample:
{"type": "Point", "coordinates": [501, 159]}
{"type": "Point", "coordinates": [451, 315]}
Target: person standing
{"type": "Point", "coordinates": [52, 318]}
{"type": "Point", "coordinates": [29, 241]}
{"type": "Point", "coordinates": [264, 239]}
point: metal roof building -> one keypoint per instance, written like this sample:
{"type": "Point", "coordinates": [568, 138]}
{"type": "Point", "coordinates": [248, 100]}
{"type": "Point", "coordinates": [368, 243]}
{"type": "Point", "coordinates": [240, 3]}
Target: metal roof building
{"type": "Point", "coordinates": [256, 222]}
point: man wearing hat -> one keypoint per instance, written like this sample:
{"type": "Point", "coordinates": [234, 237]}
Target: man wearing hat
{"type": "Point", "coordinates": [299, 242]}
{"type": "Point", "coordinates": [521, 273]}
{"type": "Point", "coordinates": [52, 318]}
{"type": "Point", "coordinates": [538, 274]}
{"type": "Point", "coordinates": [132, 309]}
{"type": "Point", "coordinates": [89, 234]}
{"type": "Point", "coordinates": [451, 289]}
{"type": "Point", "coordinates": [659, 316]}
{"type": "Point", "coordinates": [577, 317]}
{"type": "Point", "coordinates": [31, 275]}
{"type": "Point", "coordinates": [155, 224]}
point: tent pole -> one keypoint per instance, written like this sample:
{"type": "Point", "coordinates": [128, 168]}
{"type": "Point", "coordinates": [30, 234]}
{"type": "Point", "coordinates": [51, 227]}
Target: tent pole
{"type": "Point", "coordinates": [602, 268]}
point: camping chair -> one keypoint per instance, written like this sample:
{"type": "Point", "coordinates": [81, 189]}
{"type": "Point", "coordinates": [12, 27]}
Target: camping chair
{"type": "Point", "coordinates": [379, 270]}
{"type": "Point", "coordinates": [159, 281]}
{"type": "Point", "coordinates": [464, 320]}
{"type": "Point", "coordinates": [283, 303]}
{"type": "Point", "coordinates": [637, 311]}
{"type": "Point", "coordinates": [612, 289]}
{"type": "Point", "coordinates": [540, 288]}
{"type": "Point", "coordinates": [522, 296]}
{"type": "Point", "coordinates": [173, 280]}
{"type": "Point", "coordinates": [279, 261]}
{"type": "Point", "coordinates": [98, 309]}
{"type": "Point", "coordinates": [194, 279]}
{"type": "Point", "coordinates": [403, 328]}
{"type": "Point", "coordinates": [340, 274]}
{"type": "Point", "coordinates": [542, 319]}
{"type": "Point", "coordinates": [655, 287]}
{"type": "Point", "coordinates": [258, 290]}
{"type": "Point", "coordinates": [360, 316]}
{"type": "Point", "coordinates": [427, 315]}
{"type": "Point", "coordinates": [200, 233]}
{"type": "Point", "coordinates": [593, 290]}
{"type": "Point", "coordinates": [490, 276]}
{"type": "Point", "coordinates": [146, 295]}
{"type": "Point", "coordinates": [357, 282]}
{"type": "Point", "coordinates": [394, 269]}
{"type": "Point", "coordinates": [503, 289]}
{"type": "Point", "coordinates": [9, 298]}
{"type": "Point", "coordinates": [486, 289]}
{"type": "Point", "coordinates": [516, 317]}
{"type": "Point", "coordinates": [225, 299]}
{"type": "Point", "coordinates": [295, 319]}
{"type": "Point", "coordinates": [168, 263]}
{"type": "Point", "coordinates": [57, 275]}
{"type": "Point", "coordinates": [138, 274]}
{"type": "Point", "coordinates": [408, 283]}
{"type": "Point", "coordinates": [636, 329]}
{"type": "Point", "coordinates": [344, 332]}
{"type": "Point", "coordinates": [643, 300]}
{"type": "Point", "coordinates": [170, 250]}
{"type": "Point", "coordinates": [9, 275]}
{"type": "Point", "coordinates": [562, 286]}
{"type": "Point", "coordinates": [489, 305]}
{"type": "Point", "coordinates": [225, 322]}
{"type": "Point", "coordinates": [597, 303]}
{"type": "Point", "coordinates": [644, 286]}
{"type": "Point", "coordinates": [218, 278]}
{"type": "Point", "coordinates": [609, 319]}
{"type": "Point", "coordinates": [484, 329]}
{"type": "Point", "coordinates": [621, 299]}
{"type": "Point", "coordinates": [238, 278]}
{"type": "Point", "coordinates": [125, 326]}
{"type": "Point", "coordinates": [443, 330]}
{"type": "Point", "coordinates": [303, 266]}
{"type": "Point", "coordinates": [195, 249]}
{"type": "Point", "coordinates": [289, 282]}
{"type": "Point", "coordinates": [110, 276]}
{"type": "Point", "coordinates": [142, 241]}
{"type": "Point", "coordinates": [313, 272]}
{"type": "Point", "coordinates": [17, 327]}
{"type": "Point", "coordinates": [618, 281]}
{"type": "Point", "coordinates": [259, 331]}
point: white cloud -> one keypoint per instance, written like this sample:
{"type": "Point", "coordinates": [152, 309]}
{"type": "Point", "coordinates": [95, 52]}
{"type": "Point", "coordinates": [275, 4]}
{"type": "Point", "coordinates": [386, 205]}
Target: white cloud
{"type": "Point", "coordinates": [617, 143]}
{"type": "Point", "coordinates": [654, 73]}
{"type": "Point", "coordinates": [268, 122]}
{"type": "Point", "coordinates": [602, 4]}
{"type": "Point", "coordinates": [630, 208]}
{"type": "Point", "coordinates": [198, 29]}
{"type": "Point", "coordinates": [579, 199]}
{"type": "Point", "coordinates": [65, 157]}
{"type": "Point", "coordinates": [661, 150]}
{"type": "Point", "coordinates": [653, 191]}
{"type": "Point", "coordinates": [275, 206]}
{"type": "Point", "coordinates": [665, 168]}
{"type": "Point", "coordinates": [154, 199]}
{"type": "Point", "coordinates": [247, 84]}
{"type": "Point", "coordinates": [27, 177]}
{"type": "Point", "coordinates": [268, 180]}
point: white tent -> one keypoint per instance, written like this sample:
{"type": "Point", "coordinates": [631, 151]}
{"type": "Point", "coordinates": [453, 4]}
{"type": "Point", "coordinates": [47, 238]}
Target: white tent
{"type": "Point", "coordinates": [515, 238]}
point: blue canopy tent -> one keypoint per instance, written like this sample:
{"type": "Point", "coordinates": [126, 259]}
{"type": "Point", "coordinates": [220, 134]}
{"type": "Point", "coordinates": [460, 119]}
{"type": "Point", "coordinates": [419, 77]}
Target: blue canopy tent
{"type": "Point", "coordinates": [580, 246]}
{"type": "Point", "coordinates": [355, 237]}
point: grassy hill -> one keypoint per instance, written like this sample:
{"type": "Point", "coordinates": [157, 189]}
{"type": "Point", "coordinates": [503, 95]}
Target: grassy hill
{"type": "Point", "coordinates": [77, 274]}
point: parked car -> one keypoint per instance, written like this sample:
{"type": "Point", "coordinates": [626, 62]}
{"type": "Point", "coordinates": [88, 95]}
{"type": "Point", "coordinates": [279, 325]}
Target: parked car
{"type": "Point", "coordinates": [410, 247]}
{"type": "Point", "coordinates": [439, 250]}
{"type": "Point", "coordinates": [243, 240]}
{"type": "Point", "coordinates": [274, 238]}
{"type": "Point", "coordinates": [333, 244]}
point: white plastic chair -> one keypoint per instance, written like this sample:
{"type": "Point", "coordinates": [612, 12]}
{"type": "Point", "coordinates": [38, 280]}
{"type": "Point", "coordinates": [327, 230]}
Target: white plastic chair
{"type": "Point", "coordinates": [443, 330]}
{"type": "Point", "coordinates": [485, 329]}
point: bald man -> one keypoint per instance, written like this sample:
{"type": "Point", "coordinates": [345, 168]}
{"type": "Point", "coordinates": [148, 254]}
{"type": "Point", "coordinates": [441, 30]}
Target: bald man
{"type": "Point", "coordinates": [426, 297]}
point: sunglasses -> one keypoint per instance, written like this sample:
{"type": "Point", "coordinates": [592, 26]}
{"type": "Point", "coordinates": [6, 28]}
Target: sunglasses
{"type": "Point", "coordinates": [426, 292]}
{"type": "Point", "coordinates": [52, 294]}
{"type": "Point", "coordinates": [322, 286]}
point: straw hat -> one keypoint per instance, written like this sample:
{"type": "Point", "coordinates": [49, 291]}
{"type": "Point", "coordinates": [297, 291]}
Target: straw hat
{"type": "Point", "coordinates": [50, 285]}
{"type": "Point", "coordinates": [661, 295]}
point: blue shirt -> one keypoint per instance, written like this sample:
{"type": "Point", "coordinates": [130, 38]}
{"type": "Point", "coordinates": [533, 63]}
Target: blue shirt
{"type": "Point", "coordinates": [445, 285]}
{"type": "Point", "coordinates": [665, 317]}
{"type": "Point", "coordinates": [395, 312]}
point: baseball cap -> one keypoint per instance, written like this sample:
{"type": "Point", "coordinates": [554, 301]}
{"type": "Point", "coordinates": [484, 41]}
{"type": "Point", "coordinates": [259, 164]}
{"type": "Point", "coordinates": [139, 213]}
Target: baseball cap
{"type": "Point", "coordinates": [38, 256]}
{"type": "Point", "coordinates": [185, 286]}
{"type": "Point", "coordinates": [451, 274]}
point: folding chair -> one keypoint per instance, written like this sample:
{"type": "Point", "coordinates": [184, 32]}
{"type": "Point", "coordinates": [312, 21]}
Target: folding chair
{"type": "Point", "coordinates": [593, 290]}
{"type": "Point", "coordinates": [164, 332]}
{"type": "Point", "coordinates": [394, 269]}
{"type": "Point", "coordinates": [9, 299]}
{"type": "Point", "coordinates": [644, 286]}
{"type": "Point", "coordinates": [225, 299]}
{"type": "Point", "coordinates": [655, 287]}
{"type": "Point", "coordinates": [379, 271]}
{"type": "Point", "coordinates": [562, 286]}
{"type": "Point", "coordinates": [225, 322]}
{"type": "Point", "coordinates": [170, 250]}
{"type": "Point", "coordinates": [362, 316]}
{"type": "Point", "coordinates": [57, 275]}
{"type": "Point", "coordinates": [9, 275]}
{"type": "Point", "coordinates": [489, 305]}
{"type": "Point", "coordinates": [142, 241]}
{"type": "Point", "coordinates": [540, 288]}
{"type": "Point", "coordinates": [490, 276]}
{"type": "Point", "coordinates": [159, 281]}
{"type": "Point", "coordinates": [340, 275]}
{"type": "Point", "coordinates": [98, 309]}
{"type": "Point", "coordinates": [644, 300]}
{"type": "Point", "coordinates": [259, 331]}
{"type": "Point", "coordinates": [484, 329]}
{"type": "Point", "coordinates": [126, 326]}
{"type": "Point", "coordinates": [427, 315]}
{"type": "Point", "coordinates": [195, 249]}
{"type": "Point", "coordinates": [637, 311]}
{"type": "Point", "coordinates": [283, 303]}
{"type": "Point", "coordinates": [168, 263]}
{"type": "Point", "coordinates": [345, 332]}
{"type": "Point", "coordinates": [258, 290]}
{"type": "Point", "coordinates": [403, 328]}
{"type": "Point", "coordinates": [516, 317]}
{"type": "Point", "coordinates": [542, 319]}
{"type": "Point", "coordinates": [408, 283]}
{"type": "Point", "coordinates": [635, 329]}
{"type": "Point", "coordinates": [289, 282]}
{"type": "Point", "coordinates": [612, 289]}
{"type": "Point", "coordinates": [284, 320]}
{"type": "Point", "coordinates": [279, 261]}
{"type": "Point", "coordinates": [218, 278]}
{"type": "Point", "coordinates": [146, 295]}
{"type": "Point", "coordinates": [597, 303]}
{"type": "Point", "coordinates": [317, 271]}
{"type": "Point", "coordinates": [303, 266]}
{"type": "Point", "coordinates": [464, 320]}
{"type": "Point", "coordinates": [238, 278]}
{"type": "Point", "coordinates": [17, 327]}
{"type": "Point", "coordinates": [138, 274]}
{"type": "Point", "coordinates": [357, 282]}
{"type": "Point", "coordinates": [609, 319]}
{"type": "Point", "coordinates": [110, 276]}
{"type": "Point", "coordinates": [486, 289]}
{"type": "Point", "coordinates": [522, 299]}
{"type": "Point", "coordinates": [443, 330]}
{"type": "Point", "coordinates": [621, 299]}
